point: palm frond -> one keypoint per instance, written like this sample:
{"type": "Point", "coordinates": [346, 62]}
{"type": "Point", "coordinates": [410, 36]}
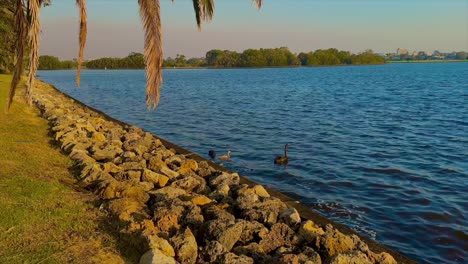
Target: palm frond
{"type": "Point", "coordinates": [34, 34]}
{"type": "Point", "coordinates": [83, 33]}
{"type": "Point", "coordinates": [204, 10]}
{"type": "Point", "coordinates": [21, 31]}
{"type": "Point", "coordinates": [151, 17]}
{"type": "Point", "coordinates": [258, 3]}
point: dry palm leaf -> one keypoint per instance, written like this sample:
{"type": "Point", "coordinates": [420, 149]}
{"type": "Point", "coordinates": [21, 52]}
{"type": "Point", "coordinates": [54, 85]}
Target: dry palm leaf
{"type": "Point", "coordinates": [83, 33]}
{"type": "Point", "coordinates": [34, 34]}
{"type": "Point", "coordinates": [20, 27]}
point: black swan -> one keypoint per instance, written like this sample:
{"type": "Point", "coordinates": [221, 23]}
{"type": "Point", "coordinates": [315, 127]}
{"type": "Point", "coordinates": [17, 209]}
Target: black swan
{"type": "Point", "coordinates": [282, 160]}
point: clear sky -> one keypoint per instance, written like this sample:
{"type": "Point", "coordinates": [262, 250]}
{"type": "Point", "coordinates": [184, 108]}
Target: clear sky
{"type": "Point", "coordinates": [114, 27]}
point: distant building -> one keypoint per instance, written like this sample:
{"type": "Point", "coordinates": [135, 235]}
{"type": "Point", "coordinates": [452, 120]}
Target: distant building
{"type": "Point", "coordinates": [402, 52]}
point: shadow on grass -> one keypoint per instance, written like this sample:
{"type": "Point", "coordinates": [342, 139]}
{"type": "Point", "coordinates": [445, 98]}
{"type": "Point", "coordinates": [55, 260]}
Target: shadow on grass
{"type": "Point", "coordinates": [130, 245]}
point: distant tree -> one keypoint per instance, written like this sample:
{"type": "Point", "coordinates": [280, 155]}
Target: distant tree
{"type": "Point", "coordinates": [461, 55]}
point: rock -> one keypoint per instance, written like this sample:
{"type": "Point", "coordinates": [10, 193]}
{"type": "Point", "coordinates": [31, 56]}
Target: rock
{"type": "Point", "coordinates": [226, 233]}
{"type": "Point", "coordinates": [155, 163]}
{"type": "Point", "coordinates": [310, 231]}
{"type": "Point", "coordinates": [201, 200]}
{"type": "Point", "coordinates": [224, 178]}
{"type": "Point", "coordinates": [231, 258]}
{"type": "Point", "coordinates": [156, 242]}
{"type": "Point", "coordinates": [260, 191]}
{"type": "Point", "coordinates": [212, 251]}
{"type": "Point", "coordinates": [291, 217]}
{"type": "Point", "coordinates": [185, 246]}
{"type": "Point", "coordinates": [112, 168]}
{"type": "Point", "coordinates": [154, 256]}
{"type": "Point", "coordinates": [350, 257]}
{"type": "Point", "coordinates": [134, 165]}
{"type": "Point", "coordinates": [204, 169]}
{"type": "Point", "coordinates": [252, 250]}
{"type": "Point", "coordinates": [155, 178]}
{"type": "Point", "coordinates": [215, 212]}
{"type": "Point", "coordinates": [176, 160]}
{"type": "Point", "coordinates": [147, 186]}
{"type": "Point", "coordinates": [81, 157]}
{"type": "Point", "coordinates": [125, 207]}
{"type": "Point", "coordinates": [309, 256]}
{"type": "Point", "coordinates": [288, 259]}
{"type": "Point", "coordinates": [167, 193]}
{"type": "Point", "coordinates": [252, 231]}
{"type": "Point", "coordinates": [169, 173]}
{"type": "Point", "coordinates": [189, 166]}
{"type": "Point", "coordinates": [384, 258]}
{"type": "Point", "coordinates": [334, 242]}
{"type": "Point", "coordinates": [264, 212]}
{"type": "Point", "coordinates": [136, 193]}
{"type": "Point", "coordinates": [99, 137]}
{"type": "Point", "coordinates": [191, 184]}
{"type": "Point", "coordinates": [106, 154]}
{"type": "Point", "coordinates": [280, 235]}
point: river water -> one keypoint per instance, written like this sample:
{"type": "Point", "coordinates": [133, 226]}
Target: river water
{"type": "Point", "coordinates": [381, 149]}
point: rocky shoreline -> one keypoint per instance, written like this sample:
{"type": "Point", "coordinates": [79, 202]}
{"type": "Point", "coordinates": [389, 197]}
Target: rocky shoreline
{"type": "Point", "coordinates": [180, 210]}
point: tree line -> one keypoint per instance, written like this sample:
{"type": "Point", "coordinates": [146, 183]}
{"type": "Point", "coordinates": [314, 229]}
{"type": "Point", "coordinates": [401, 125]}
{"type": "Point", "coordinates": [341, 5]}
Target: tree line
{"type": "Point", "coordinates": [277, 57]}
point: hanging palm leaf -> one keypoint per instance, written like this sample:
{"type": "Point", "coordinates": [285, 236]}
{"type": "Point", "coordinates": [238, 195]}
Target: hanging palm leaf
{"type": "Point", "coordinates": [83, 33]}
{"type": "Point", "coordinates": [151, 18]}
{"type": "Point", "coordinates": [34, 32]}
{"type": "Point", "coordinates": [21, 31]}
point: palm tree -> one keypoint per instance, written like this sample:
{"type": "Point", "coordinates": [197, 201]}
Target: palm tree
{"type": "Point", "coordinates": [28, 28]}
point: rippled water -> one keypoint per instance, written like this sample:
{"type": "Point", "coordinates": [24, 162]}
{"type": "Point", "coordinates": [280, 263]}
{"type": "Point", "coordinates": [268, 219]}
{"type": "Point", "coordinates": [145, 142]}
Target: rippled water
{"type": "Point", "coordinates": [382, 149]}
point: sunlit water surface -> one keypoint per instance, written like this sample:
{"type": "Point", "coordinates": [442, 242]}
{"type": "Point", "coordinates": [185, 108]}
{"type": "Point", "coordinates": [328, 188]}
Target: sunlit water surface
{"type": "Point", "coordinates": [382, 149]}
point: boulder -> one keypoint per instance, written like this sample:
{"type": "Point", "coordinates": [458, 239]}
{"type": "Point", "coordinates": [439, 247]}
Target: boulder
{"type": "Point", "coordinates": [350, 257]}
{"type": "Point", "coordinates": [212, 251]}
{"type": "Point", "coordinates": [231, 258]}
{"type": "Point", "coordinates": [280, 235]}
{"type": "Point", "coordinates": [264, 212]}
{"type": "Point", "coordinates": [310, 231]}
{"type": "Point", "coordinates": [252, 232]}
{"type": "Point", "coordinates": [224, 178]}
{"type": "Point", "coordinates": [334, 242]}
{"type": "Point", "coordinates": [155, 178]}
{"type": "Point", "coordinates": [185, 246]}
{"type": "Point", "coordinates": [154, 256]}
{"type": "Point", "coordinates": [191, 184]}
{"type": "Point", "coordinates": [290, 217]}
{"type": "Point", "coordinates": [226, 233]}
{"type": "Point", "coordinates": [309, 256]}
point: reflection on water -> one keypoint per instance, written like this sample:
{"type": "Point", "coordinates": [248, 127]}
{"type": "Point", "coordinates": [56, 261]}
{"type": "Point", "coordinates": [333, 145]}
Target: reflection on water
{"type": "Point", "coordinates": [382, 149]}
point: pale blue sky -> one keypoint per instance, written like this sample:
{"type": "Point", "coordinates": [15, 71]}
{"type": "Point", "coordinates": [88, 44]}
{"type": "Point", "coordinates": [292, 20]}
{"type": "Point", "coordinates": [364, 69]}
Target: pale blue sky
{"type": "Point", "coordinates": [301, 25]}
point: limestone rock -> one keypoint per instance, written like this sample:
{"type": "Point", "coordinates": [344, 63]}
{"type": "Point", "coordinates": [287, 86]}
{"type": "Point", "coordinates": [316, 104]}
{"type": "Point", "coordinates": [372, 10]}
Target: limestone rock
{"type": "Point", "coordinates": [309, 256]}
{"type": "Point", "coordinates": [231, 258]}
{"type": "Point", "coordinates": [155, 178]}
{"type": "Point", "coordinates": [264, 212]}
{"type": "Point", "coordinates": [185, 246]}
{"type": "Point", "coordinates": [334, 242]}
{"type": "Point", "coordinates": [212, 251]}
{"type": "Point", "coordinates": [252, 231]}
{"type": "Point", "coordinates": [224, 178]}
{"type": "Point", "coordinates": [154, 256]}
{"type": "Point", "coordinates": [350, 257]}
{"type": "Point", "coordinates": [280, 235]}
{"type": "Point", "coordinates": [310, 231]}
{"type": "Point", "coordinates": [290, 216]}
{"type": "Point", "coordinates": [201, 200]}
{"type": "Point", "coordinates": [226, 233]}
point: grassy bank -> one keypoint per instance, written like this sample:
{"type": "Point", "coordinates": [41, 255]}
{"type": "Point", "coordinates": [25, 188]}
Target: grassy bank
{"type": "Point", "coordinates": [43, 219]}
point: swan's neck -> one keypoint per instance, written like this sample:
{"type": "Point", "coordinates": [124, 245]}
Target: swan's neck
{"type": "Point", "coordinates": [286, 151]}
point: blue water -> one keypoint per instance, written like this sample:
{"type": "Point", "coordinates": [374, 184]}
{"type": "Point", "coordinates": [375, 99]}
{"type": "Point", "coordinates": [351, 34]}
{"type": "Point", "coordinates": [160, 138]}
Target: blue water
{"type": "Point", "coordinates": [382, 149]}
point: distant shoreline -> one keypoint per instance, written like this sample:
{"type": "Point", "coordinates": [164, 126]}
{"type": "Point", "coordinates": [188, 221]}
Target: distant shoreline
{"type": "Point", "coordinates": [282, 67]}
{"type": "Point", "coordinates": [426, 61]}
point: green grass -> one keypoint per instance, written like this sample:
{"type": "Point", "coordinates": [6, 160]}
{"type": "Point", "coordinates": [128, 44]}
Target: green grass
{"type": "Point", "coordinates": [43, 219]}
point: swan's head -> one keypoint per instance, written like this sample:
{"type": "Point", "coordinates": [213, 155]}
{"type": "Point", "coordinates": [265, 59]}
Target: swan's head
{"type": "Point", "coordinates": [229, 152]}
